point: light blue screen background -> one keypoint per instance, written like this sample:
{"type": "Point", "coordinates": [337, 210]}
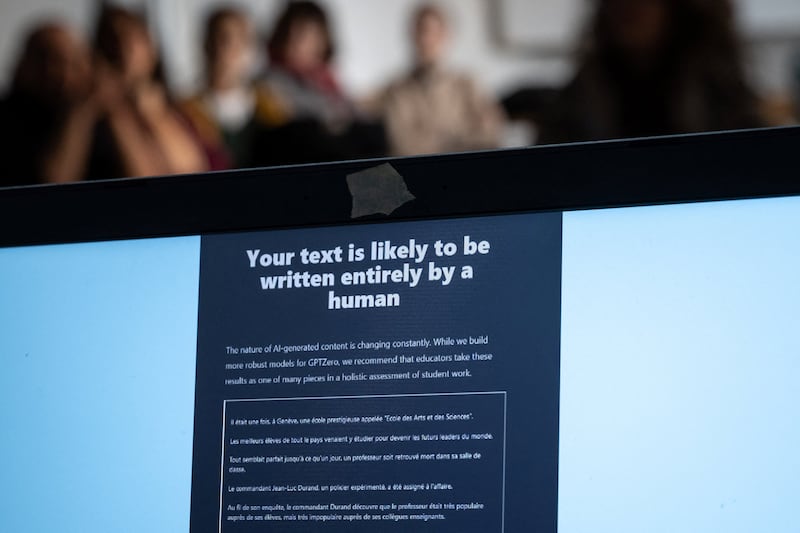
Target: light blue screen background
{"type": "Point", "coordinates": [680, 376]}
{"type": "Point", "coordinates": [98, 346]}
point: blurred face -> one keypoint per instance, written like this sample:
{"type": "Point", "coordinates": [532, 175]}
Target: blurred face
{"type": "Point", "coordinates": [230, 51]}
{"type": "Point", "coordinates": [638, 26]}
{"type": "Point", "coordinates": [306, 46]}
{"type": "Point", "coordinates": [65, 69]}
{"type": "Point", "coordinates": [138, 53]}
{"type": "Point", "coordinates": [430, 39]}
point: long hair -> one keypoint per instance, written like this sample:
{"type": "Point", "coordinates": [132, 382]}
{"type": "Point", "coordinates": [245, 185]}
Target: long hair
{"type": "Point", "coordinates": [108, 43]}
{"type": "Point", "coordinates": [35, 52]}
{"type": "Point", "coordinates": [694, 81]}
{"type": "Point", "coordinates": [701, 30]}
{"type": "Point", "coordinates": [296, 12]}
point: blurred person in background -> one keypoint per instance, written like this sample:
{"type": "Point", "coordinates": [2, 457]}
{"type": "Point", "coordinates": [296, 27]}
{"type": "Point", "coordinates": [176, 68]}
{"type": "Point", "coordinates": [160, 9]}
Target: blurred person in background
{"type": "Point", "coordinates": [433, 109]}
{"type": "Point", "coordinates": [48, 117]}
{"type": "Point", "coordinates": [140, 133]}
{"type": "Point", "coordinates": [300, 51]}
{"type": "Point", "coordinates": [231, 108]}
{"type": "Point", "coordinates": [324, 124]}
{"type": "Point", "coordinates": [656, 67]}
{"type": "Point", "coordinates": [796, 85]}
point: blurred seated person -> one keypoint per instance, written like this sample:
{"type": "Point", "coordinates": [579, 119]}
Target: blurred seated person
{"type": "Point", "coordinates": [656, 67]}
{"type": "Point", "coordinates": [231, 108]}
{"type": "Point", "coordinates": [433, 109]}
{"type": "Point", "coordinates": [324, 124]}
{"type": "Point", "coordinates": [300, 52]}
{"type": "Point", "coordinates": [796, 86]}
{"type": "Point", "coordinates": [47, 118]}
{"type": "Point", "coordinates": [141, 133]}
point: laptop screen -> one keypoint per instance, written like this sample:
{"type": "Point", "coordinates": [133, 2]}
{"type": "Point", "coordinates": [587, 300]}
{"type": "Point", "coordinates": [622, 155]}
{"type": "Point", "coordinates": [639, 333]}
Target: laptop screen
{"type": "Point", "coordinates": [627, 369]}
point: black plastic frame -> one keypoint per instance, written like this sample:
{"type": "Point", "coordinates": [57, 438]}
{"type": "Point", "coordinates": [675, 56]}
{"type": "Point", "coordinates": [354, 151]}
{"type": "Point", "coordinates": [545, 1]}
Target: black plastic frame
{"type": "Point", "coordinates": [690, 168]}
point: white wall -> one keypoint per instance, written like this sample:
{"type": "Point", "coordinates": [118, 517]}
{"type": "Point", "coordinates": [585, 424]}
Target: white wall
{"type": "Point", "coordinates": [373, 37]}
{"type": "Point", "coordinates": [770, 15]}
